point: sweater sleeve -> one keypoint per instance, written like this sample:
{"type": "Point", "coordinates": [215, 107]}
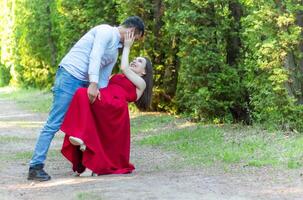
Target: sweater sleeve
{"type": "Point", "coordinates": [102, 38]}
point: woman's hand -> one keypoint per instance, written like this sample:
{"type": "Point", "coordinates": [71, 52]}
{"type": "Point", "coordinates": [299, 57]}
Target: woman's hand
{"type": "Point", "coordinates": [128, 42]}
{"type": "Point", "coordinates": [129, 38]}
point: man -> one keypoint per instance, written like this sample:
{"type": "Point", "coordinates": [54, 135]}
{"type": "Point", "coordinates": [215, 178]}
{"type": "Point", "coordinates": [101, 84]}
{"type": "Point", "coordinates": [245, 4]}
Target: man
{"type": "Point", "coordinates": [88, 63]}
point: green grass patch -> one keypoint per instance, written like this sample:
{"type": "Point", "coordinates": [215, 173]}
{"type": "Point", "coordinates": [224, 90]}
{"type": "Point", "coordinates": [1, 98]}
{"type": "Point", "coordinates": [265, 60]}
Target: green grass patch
{"type": "Point", "coordinates": [26, 155]}
{"type": "Point", "coordinates": [148, 122]}
{"type": "Point", "coordinates": [31, 99]}
{"type": "Point", "coordinates": [88, 195]}
{"type": "Point", "coordinates": [22, 124]}
{"type": "Point", "coordinates": [209, 145]}
{"type": "Point", "coordinates": [7, 139]}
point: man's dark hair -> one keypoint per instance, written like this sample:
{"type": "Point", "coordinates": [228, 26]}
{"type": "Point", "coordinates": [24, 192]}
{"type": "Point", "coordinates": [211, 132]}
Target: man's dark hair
{"type": "Point", "coordinates": [135, 22]}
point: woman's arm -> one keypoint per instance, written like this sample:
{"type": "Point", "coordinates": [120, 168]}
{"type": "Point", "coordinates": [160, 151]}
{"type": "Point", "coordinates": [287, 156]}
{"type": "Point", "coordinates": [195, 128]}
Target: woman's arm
{"type": "Point", "coordinates": [132, 76]}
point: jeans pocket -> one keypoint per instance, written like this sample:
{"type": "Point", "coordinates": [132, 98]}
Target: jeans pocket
{"type": "Point", "coordinates": [57, 79]}
{"type": "Point", "coordinates": [65, 82]}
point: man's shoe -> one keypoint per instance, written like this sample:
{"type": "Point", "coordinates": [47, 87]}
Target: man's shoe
{"type": "Point", "coordinates": [37, 173]}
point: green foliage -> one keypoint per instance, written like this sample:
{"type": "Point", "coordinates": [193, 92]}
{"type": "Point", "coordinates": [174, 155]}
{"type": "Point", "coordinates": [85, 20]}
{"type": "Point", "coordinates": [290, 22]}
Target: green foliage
{"type": "Point", "coordinates": [74, 18]}
{"type": "Point", "coordinates": [6, 42]}
{"type": "Point", "coordinates": [158, 45]}
{"type": "Point", "coordinates": [5, 75]}
{"type": "Point", "coordinates": [271, 37]}
{"type": "Point", "coordinates": [218, 60]}
{"type": "Point", "coordinates": [207, 87]}
{"type": "Point", "coordinates": [34, 48]}
{"type": "Point", "coordinates": [45, 31]}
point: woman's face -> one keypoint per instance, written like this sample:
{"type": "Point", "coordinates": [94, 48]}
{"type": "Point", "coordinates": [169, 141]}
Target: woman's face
{"type": "Point", "coordinates": [138, 66]}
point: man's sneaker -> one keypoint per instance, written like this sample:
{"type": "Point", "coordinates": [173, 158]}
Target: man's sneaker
{"type": "Point", "coordinates": [37, 173]}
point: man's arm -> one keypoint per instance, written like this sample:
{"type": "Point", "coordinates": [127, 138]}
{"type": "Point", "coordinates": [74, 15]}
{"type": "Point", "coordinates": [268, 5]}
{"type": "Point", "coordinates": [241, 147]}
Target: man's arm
{"type": "Point", "coordinates": [101, 40]}
{"type": "Point", "coordinates": [105, 73]}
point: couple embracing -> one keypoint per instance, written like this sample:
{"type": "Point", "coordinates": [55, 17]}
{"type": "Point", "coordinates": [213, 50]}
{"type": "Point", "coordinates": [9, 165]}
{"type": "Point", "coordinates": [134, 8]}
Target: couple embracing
{"type": "Point", "coordinates": [91, 107]}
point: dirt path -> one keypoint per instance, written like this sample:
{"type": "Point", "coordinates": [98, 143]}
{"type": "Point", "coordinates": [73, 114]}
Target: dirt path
{"type": "Point", "coordinates": [157, 174]}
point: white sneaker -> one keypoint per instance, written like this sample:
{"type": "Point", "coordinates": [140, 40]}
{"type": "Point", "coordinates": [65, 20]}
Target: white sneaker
{"type": "Point", "coordinates": [77, 142]}
{"type": "Point", "coordinates": [94, 174]}
{"type": "Point", "coordinates": [76, 174]}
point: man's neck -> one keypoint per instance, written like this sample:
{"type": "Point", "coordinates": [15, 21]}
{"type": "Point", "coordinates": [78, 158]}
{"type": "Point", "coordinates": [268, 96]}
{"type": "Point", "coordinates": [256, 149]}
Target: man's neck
{"type": "Point", "coordinates": [121, 32]}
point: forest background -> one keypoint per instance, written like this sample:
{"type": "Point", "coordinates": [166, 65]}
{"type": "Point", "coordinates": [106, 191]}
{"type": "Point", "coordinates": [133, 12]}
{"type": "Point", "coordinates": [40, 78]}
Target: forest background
{"type": "Point", "coordinates": [219, 61]}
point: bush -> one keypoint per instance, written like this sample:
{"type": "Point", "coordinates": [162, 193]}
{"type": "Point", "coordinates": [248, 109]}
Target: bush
{"type": "Point", "coordinates": [5, 75]}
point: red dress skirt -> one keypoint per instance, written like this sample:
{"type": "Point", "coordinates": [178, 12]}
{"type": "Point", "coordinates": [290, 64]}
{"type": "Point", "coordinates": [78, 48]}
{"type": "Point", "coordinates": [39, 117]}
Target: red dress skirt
{"type": "Point", "coordinates": [104, 126]}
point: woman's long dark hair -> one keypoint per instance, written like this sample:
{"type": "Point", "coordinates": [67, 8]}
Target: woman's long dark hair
{"type": "Point", "coordinates": [144, 102]}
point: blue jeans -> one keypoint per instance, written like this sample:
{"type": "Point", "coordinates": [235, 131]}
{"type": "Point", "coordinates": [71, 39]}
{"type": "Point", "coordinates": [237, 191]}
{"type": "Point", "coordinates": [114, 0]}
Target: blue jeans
{"type": "Point", "coordinates": [63, 91]}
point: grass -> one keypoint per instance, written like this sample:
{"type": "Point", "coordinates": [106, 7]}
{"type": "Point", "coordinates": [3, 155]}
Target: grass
{"type": "Point", "coordinates": [26, 155]}
{"type": "Point", "coordinates": [144, 123]}
{"type": "Point", "coordinates": [22, 155]}
{"type": "Point", "coordinates": [14, 139]}
{"type": "Point", "coordinates": [209, 145]}
{"type": "Point", "coordinates": [87, 195]}
{"type": "Point", "coordinates": [21, 124]}
{"type": "Point", "coordinates": [30, 99]}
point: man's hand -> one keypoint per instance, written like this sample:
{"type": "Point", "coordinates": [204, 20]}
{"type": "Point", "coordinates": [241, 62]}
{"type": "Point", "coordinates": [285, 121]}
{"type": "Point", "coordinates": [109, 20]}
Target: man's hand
{"type": "Point", "coordinates": [93, 92]}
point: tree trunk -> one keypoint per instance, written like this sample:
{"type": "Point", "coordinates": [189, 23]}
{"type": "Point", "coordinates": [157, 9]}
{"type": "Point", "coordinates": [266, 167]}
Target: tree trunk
{"type": "Point", "coordinates": [51, 40]}
{"type": "Point", "coordinates": [233, 39]}
{"type": "Point", "coordinates": [240, 111]}
{"type": "Point", "coordinates": [170, 72]}
{"type": "Point", "coordinates": [300, 62]}
{"type": "Point", "coordinates": [293, 64]}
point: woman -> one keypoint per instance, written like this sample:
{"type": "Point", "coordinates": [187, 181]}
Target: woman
{"type": "Point", "coordinates": [98, 135]}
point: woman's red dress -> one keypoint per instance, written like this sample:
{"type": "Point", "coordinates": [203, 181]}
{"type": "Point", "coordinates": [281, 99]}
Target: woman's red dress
{"type": "Point", "coordinates": [104, 126]}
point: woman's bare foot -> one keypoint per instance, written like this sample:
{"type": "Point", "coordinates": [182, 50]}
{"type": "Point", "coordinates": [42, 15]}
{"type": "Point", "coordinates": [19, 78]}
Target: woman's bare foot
{"type": "Point", "coordinates": [77, 142]}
